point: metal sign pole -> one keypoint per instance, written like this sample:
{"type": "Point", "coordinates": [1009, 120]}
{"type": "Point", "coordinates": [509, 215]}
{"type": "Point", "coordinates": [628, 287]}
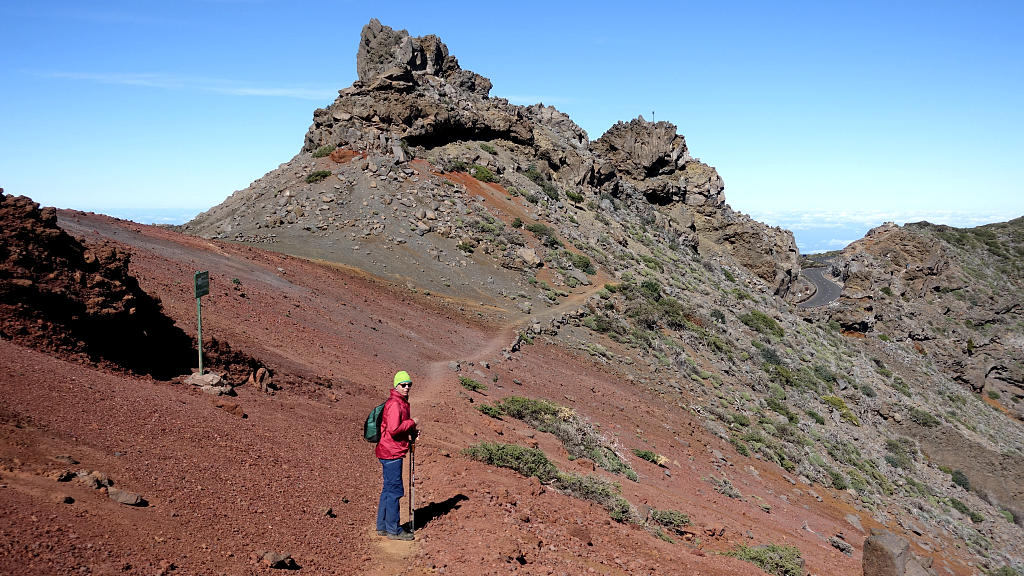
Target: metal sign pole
{"type": "Point", "coordinates": [202, 288]}
{"type": "Point", "coordinates": [199, 318]}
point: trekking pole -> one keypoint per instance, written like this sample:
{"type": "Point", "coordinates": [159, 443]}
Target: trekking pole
{"type": "Point", "coordinates": [412, 487]}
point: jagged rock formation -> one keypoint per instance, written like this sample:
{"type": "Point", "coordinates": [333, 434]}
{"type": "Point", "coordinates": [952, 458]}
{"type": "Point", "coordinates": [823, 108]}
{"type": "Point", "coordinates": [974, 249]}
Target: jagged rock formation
{"type": "Point", "coordinates": [59, 295]}
{"type": "Point", "coordinates": [413, 100]}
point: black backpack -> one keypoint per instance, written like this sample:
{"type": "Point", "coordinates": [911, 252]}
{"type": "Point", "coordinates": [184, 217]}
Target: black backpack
{"type": "Point", "coordinates": [371, 430]}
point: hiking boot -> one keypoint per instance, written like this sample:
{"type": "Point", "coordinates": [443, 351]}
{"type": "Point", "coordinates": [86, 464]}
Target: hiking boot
{"type": "Point", "coordinates": [401, 535]}
{"type": "Point", "coordinates": [382, 532]}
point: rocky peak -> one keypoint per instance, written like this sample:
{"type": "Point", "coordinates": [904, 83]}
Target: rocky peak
{"type": "Point", "coordinates": [385, 51]}
{"type": "Point", "coordinates": [413, 101]}
{"type": "Point", "coordinates": [653, 159]}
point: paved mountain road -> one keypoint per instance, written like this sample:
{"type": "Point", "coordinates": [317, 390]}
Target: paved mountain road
{"type": "Point", "coordinates": [827, 290]}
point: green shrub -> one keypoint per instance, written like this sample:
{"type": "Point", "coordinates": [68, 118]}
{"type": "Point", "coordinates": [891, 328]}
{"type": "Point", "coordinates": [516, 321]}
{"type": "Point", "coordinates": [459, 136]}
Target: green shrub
{"type": "Point", "coordinates": [601, 491]}
{"type": "Point", "coordinates": [650, 457]}
{"type": "Point", "coordinates": [317, 176]}
{"type": "Point", "coordinates": [825, 375]}
{"type": "Point", "coordinates": [671, 519]}
{"type": "Point", "coordinates": [323, 151]}
{"type": "Point", "coordinates": [901, 453]}
{"type": "Point", "coordinates": [780, 408]}
{"type": "Point", "coordinates": [844, 412]}
{"type": "Point", "coordinates": [815, 416]}
{"type": "Point", "coordinates": [838, 480]}
{"type": "Point", "coordinates": [545, 234]}
{"type": "Point", "coordinates": [488, 148]}
{"type": "Point", "coordinates": [960, 479]}
{"type": "Point", "coordinates": [887, 291]}
{"type": "Point", "coordinates": [581, 262]}
{"type": "Point", "coordinates": [900, 386]}
{"type": "Point", "coordinates": [772, 558]}
{"type": "Point", "coordinates": [923, 418]}
{"type": "Point", "coordinates": [993, 394]}
{"type": "Point", "coordinates": [868, 391]}
{"type": "Point", "coordinates": [762, 323]}
{"type": "Point", "coordinates": [741, 419]}
{"type": "Point", "coordinates": [578, 437]}
{"type": "Point", "coordinates": [471, 385]}
{"type": "Point", "coordinates": [741, 448]}
{"type": "Point", "coordinates": [526, 461]}
{"type": "Point", "coordinates": [718, 316]}
{"type": "Point", "coordinates": [517, 222]}
{"type": "Point", "coordinates": [963, 509]}
{"type": "Point", "coordinates": [482, 173]}
{"type": "Point", "coordinates": [574, 196]}
{"type": "Point", "coordinates": [490, 410]}
{"type": "Point", "coordinates": [1004, 571]}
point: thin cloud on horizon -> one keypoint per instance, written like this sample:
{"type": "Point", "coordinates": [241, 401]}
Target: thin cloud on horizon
{"type": "Point", "coordinates": [817, 219]}
{"type": "Point", "coordinates": [215, 85]}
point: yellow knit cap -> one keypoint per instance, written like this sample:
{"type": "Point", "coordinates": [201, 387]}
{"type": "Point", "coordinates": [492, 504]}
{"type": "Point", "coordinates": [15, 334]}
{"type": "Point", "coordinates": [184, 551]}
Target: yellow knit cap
{"type": "Point", "coordinates": [401, 377]}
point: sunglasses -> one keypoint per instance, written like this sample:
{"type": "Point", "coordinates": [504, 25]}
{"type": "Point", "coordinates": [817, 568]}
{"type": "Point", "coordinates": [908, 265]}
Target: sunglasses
{"type": "Point", "coordinates": [406, 384]}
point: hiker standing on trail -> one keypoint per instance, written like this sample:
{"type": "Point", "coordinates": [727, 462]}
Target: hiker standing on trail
{"type": "Point", "coordinates": [397, 431]}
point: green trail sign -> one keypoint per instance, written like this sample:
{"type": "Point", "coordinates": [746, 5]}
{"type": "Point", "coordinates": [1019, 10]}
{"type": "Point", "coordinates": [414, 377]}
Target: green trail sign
{"type": "Point", "coordinates": [202, 288]}
{"type": "Point", "coordinates": [202, 284]}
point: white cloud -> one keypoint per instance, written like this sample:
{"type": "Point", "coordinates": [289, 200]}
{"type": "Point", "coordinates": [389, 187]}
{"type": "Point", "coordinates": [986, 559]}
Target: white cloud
{"type": "Point", "coordinates": [798, 220]}
{"type": "Point", "coordinates": [215, 85]}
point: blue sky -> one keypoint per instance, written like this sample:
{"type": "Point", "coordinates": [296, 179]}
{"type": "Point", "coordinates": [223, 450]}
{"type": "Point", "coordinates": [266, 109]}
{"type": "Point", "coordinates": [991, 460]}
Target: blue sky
{"type": "Point", "coordinates": [826, 118]}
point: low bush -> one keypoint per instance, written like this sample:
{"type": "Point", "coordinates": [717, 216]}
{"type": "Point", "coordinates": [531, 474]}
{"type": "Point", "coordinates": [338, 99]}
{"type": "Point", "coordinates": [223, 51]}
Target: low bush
{"type": "Point", "coordinates": [482, 173]}
{"type": "Point", "coordinates": [671, 519]}
{"type": "Point", "coordinates": [545, 234]}
{"type": "Point", "coordinates": [923, 418]}
{"type": "Point", "coordinates": [838, 480]}
{"type": "Point", "coordinates": [901, 453]}
{"type": "Point", "coordinates": [741, 419]}
{"type": "Point", "coordinates": [815, 416]}
{"type": "Point", "coordinates": [578, 437]}
{"type": "Point", "coordinates": [780, 408]}
{"type": "Point", "coordinates": [471, 385]}
{"type": "Point", "coordinates": [762, 323]}
{"type": "Point", "coordinates": [772, 558]}
{"type": "Point", "coordinates": [317, 176]}
{"type": "Point", "coordinates": [323, 151]}
{"type": "Point", "coordinates": [490, 410]}
{"type": "Point", "coordinates": [651, 457]}
{"type": "Point", "coordinates": [581, 262]}
{"type": "Point", "coordinates": [488, 148]}
{"type": "Point", "coordinates": [526, 461]}
{"type": "Point", "coordinates": [960, 479]}
{"type": "Point", "coordinates": [740, 447]}
{"type": "Point", "coordinates": [963, 509]}
{"type": "Point", "coordinates": [844, 412]}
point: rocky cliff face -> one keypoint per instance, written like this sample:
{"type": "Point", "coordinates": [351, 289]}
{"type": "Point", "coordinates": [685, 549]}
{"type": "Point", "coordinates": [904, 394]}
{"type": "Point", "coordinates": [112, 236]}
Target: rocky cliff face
{"type": "Point", "coordinates": [954, 294]}
{"type": "Point", "coordinates": [57, 294]}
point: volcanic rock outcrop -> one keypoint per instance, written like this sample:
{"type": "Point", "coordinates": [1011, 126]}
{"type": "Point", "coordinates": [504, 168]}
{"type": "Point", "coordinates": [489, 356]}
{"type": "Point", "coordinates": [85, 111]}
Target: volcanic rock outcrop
{"type": "Point", "coordinates": [59, 295]}
{"type": "Point", "coordinates": [413, 100]}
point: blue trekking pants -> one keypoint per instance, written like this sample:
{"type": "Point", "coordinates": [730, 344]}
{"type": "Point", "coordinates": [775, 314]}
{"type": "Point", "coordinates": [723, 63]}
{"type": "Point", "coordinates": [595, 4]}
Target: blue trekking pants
{"type": "Point", "coordinates": [391, 492]}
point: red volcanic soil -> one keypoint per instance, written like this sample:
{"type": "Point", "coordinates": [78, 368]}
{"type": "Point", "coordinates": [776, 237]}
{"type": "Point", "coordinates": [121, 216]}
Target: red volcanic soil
{"type": "Point", "coordinates": [221, 489]}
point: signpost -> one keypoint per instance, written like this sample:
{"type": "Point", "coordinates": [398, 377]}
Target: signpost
{"type": "Point", "coordinates": [202, 288]}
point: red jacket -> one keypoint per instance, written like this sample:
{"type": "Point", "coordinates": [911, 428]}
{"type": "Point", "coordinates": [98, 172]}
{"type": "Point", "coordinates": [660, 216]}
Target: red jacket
{"type": "Point", "coordinates": [396, 428]}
